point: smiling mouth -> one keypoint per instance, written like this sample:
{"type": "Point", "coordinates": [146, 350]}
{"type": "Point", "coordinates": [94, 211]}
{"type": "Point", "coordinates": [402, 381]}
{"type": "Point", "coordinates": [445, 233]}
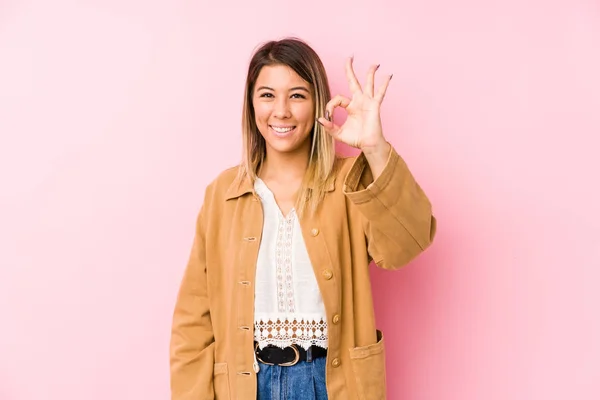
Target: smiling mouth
{"type": "Point", "coordinates": [282, 130]}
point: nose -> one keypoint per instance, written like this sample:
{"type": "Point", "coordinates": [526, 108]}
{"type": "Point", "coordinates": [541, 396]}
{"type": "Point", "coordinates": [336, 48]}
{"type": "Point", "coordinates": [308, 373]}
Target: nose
{"type": "Point", "coordinates": [281, 109]}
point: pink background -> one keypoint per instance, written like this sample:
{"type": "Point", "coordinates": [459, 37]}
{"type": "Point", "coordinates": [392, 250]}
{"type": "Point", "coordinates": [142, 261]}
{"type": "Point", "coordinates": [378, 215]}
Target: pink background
{"type": "Point", "coordinates": [114, 115]}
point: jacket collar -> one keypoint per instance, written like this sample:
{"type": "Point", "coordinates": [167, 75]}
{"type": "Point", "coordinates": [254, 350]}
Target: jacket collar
{"type": "Point", "coordinates": [243, 185]}
{"type": "Point", "coordinates": [239, 187]}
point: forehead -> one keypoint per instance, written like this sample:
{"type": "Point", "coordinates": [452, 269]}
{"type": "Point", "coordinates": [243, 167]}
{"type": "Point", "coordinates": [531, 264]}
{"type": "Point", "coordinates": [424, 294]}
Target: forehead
{"type": "Point", "coordinates": [279, 77]}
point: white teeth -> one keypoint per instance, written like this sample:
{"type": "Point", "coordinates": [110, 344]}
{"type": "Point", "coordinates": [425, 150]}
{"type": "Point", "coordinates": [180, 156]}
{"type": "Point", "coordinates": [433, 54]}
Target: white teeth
{"type": "Point", "coordinates": [282, 130]}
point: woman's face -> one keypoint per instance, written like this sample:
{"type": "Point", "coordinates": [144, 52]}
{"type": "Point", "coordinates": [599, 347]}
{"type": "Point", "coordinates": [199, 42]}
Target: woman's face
{"type": "Point", "coordinates": [284, 109]}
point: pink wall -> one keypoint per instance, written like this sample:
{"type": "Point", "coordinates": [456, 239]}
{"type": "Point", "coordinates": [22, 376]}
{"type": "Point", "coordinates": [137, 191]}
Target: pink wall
{"type": "Point", "coordinates": [114, 115]}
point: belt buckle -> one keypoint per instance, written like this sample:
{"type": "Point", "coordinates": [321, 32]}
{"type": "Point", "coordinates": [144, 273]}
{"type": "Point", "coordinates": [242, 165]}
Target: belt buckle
{"type": "Point", "coordinates": [288, 364]}
{"type": "Point", "coordinates": [295, 361]}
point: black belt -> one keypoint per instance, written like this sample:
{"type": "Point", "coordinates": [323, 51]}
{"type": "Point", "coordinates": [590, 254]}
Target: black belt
{"type": "Point", "coordinates": [288, 356]}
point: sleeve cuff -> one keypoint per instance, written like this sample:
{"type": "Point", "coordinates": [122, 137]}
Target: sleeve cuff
{"type": "Point", "coordinates": [360, 187]}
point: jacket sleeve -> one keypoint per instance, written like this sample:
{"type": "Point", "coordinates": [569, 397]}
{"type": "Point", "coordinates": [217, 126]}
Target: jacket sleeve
{"type": "Point", "coordinates": [192, 338]}
{"type": "Point", "coordinates": [396, 214]}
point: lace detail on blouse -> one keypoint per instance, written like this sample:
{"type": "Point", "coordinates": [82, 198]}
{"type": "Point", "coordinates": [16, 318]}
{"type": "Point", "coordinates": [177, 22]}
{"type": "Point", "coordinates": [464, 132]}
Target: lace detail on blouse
{"type": "Point", "coordinates": [285, 276]}
{"type": "Point", "coordinates": [303, 332]}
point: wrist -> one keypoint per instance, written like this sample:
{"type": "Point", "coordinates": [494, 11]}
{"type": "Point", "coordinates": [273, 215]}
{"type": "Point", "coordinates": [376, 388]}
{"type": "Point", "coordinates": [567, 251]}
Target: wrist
{"type": "Point", "coordinates": [380, 149]}
{"type": "Point", "coordinates": [377, 157]}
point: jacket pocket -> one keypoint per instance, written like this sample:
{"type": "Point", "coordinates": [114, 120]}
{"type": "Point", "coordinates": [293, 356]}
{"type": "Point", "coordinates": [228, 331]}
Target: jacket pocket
{"type": "Point", "coordinates": [221, 381]}
{"type": "Point", "coordinates": [368, 364]}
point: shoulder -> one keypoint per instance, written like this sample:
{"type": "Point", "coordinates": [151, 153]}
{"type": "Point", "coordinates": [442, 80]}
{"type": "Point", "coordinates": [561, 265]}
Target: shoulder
{"type": "Point", "coordinates": [344, 160]}
{"type": "Point", "coordinates": [343, 165]}
{"type": "Point", "coordinates": [226, 177]}
{"type": "Point", "coordinates": [218, 187]}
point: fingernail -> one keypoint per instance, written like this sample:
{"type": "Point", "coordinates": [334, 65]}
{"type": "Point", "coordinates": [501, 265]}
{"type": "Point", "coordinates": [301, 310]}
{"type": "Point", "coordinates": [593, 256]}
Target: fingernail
{"type": "Point", "coordinates": [327, 115]}
{"type": "Point", "coordinates": [378, 65]}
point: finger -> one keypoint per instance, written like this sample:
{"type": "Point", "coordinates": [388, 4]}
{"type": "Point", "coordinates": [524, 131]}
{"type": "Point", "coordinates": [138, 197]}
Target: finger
{"type": "Point", "coordinates": [336, 101]}
{"type": "Point", "coordinates": [329, 127]}
{"type": "Point", "coordinates": [383, 89]}
{"type": "Point", "coordinates": [351, 76]}
{"type": "Point", "coordinates": [370, 84]}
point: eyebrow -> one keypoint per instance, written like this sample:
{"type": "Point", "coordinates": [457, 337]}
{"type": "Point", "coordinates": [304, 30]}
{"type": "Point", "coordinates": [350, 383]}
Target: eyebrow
{"type": "Point", "coordinates": [292, 89]}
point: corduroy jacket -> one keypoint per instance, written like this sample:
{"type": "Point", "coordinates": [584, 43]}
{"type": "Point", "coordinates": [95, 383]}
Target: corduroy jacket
{"type": "Point", "coordinates": [388, 220]}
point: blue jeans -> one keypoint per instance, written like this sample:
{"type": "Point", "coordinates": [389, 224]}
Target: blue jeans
{"type": "Point", "coordinates": [303, 381]}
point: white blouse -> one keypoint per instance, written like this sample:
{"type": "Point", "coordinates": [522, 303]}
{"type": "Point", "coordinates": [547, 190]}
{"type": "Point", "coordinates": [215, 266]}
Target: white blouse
{"type": "Point", "coordinates": [288, 305]}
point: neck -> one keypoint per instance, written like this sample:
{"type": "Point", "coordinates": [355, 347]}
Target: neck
{"type": "Point", "coordinates": [285, 166]}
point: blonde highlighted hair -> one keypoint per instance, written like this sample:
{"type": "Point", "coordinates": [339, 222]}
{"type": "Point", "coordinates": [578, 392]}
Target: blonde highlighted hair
{"type": "Point", "coordinates": [301, 58]}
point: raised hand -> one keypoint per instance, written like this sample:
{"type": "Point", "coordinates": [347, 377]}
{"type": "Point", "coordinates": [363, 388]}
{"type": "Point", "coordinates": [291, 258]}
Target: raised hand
{"type": "Point", "coordinates": [362, 128]}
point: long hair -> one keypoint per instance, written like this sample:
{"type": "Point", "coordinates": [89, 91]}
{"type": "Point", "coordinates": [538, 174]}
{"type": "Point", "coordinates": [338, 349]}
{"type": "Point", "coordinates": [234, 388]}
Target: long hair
{"type": "Point", "coordinates": [301, 58]}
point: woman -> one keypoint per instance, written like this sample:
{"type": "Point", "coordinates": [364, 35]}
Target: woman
{"type": "Point", "coordinates": [275, 302]}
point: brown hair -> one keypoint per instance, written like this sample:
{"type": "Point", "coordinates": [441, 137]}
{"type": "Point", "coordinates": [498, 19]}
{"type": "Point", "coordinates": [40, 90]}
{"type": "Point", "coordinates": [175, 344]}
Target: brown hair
{"type": "Point", "coordinates": [300, 57]}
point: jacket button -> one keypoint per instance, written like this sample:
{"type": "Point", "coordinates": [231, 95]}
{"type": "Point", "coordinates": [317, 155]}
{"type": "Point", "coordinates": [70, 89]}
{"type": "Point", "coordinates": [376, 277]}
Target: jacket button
{"type": "Point", "coordinates": [315, 232]}
{"type": "Point", "coordinates": [336, 362]}
{"type": "Point", "coordinates": [336, 318]}
{"type": "Point", "coordinates": [327, 274]}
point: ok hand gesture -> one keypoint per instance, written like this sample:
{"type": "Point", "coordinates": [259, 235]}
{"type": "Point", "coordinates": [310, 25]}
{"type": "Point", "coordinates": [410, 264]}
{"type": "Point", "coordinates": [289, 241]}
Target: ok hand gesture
{"type": "Point", "coordinates": [362, 128]}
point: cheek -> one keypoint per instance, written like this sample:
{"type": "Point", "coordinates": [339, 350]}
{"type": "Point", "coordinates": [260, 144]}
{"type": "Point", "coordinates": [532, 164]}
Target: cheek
{"type": "Point", "coordinates": [304, 114]}
{"type": "Point", "coordinates": [261, 112]}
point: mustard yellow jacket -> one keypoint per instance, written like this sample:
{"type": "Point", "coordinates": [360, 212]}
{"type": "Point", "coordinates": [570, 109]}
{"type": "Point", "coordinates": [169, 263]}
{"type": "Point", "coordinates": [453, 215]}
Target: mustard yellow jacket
{"type": "Point", "coordinates": [388, 221]}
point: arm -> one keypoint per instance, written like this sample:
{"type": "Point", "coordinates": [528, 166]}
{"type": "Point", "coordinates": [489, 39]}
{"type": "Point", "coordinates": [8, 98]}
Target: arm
{"type": "Point", "coordinates": [191, 347]}
{"type": "Point", "coordinates": [398, 219]}
{"type": "Point", "coordinates": [396, 214]}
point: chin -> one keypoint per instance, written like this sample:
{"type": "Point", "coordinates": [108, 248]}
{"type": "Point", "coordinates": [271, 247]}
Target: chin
{"type": "Point", "coordinates": [282, 148]}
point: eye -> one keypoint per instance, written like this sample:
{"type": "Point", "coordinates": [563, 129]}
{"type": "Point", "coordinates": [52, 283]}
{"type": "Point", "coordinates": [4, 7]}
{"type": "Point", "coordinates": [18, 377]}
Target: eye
{"type": "Point", "coordinates": [266, 94]}
{"type": "Point", "coordinates": [298, 96]}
